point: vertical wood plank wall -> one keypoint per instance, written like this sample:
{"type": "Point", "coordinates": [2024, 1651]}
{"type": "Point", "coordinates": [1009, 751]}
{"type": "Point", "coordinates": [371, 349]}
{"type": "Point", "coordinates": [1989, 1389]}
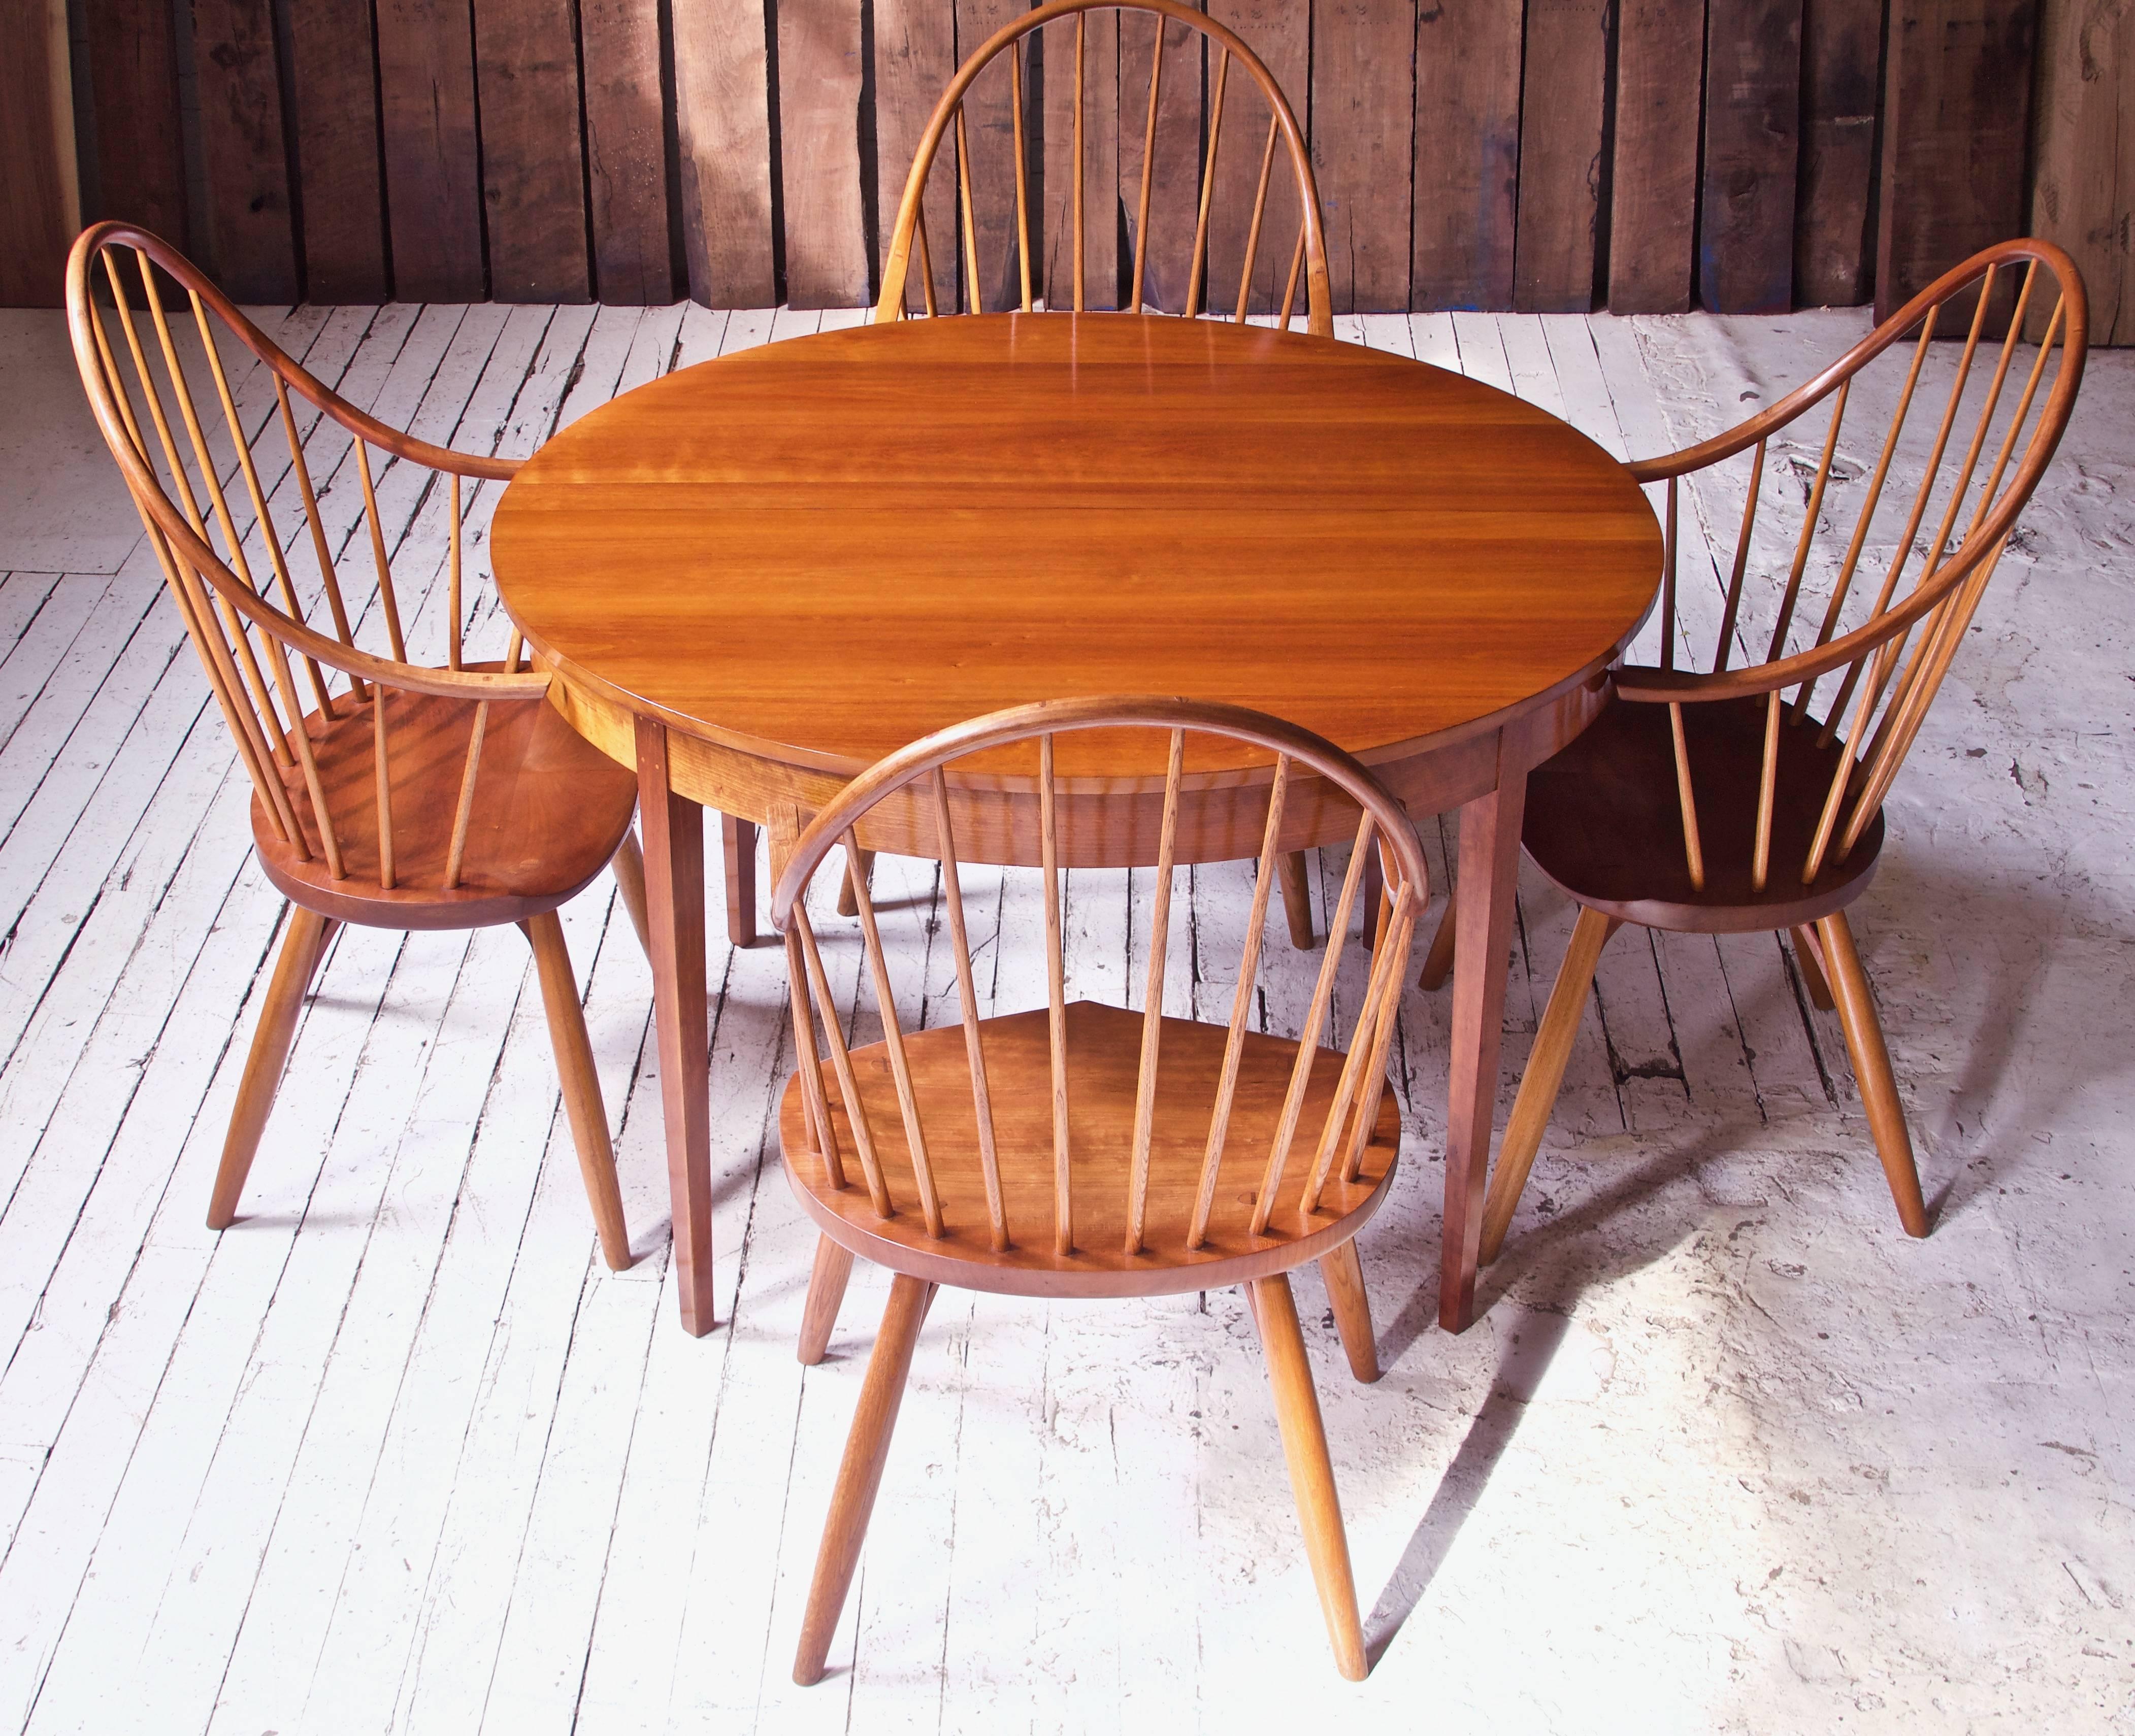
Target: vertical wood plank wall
{"type": "Point", "coordinates": [2083, 152]}
{"type": "Point", "coordinates": [1643, 155]}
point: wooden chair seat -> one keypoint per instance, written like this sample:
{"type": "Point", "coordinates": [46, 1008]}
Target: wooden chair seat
{"type": "Point", "coordinates": [1604, 821]}
{"type": "Point", "coordinates": [489, 810]}
{"type": "Point", "coordinates": [1081, 1149]}
{"type": "Point", "coordinates": [1749, 795]}
{"type": "Point", "coordinates": [549, 813]}
{"type": "Point", "coordinates": [1104, 1053]}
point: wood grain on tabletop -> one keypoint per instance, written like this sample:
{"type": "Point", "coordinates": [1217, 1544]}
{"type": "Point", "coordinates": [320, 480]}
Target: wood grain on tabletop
{"type": "Point", "coordinates": [1053, 505]}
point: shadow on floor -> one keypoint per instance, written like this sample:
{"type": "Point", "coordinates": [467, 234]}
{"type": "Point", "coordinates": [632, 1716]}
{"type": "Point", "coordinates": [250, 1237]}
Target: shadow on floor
{"type": "Point", "coordinates": [1533, 1343]}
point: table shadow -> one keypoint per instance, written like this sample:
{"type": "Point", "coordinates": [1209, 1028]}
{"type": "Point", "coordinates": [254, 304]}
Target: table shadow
{"type": "Point", "coordinates": [1520, 1370]}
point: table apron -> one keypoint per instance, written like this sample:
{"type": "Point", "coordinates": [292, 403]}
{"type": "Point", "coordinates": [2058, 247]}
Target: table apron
{"type": "Point", "coordinates": [1222, 817]}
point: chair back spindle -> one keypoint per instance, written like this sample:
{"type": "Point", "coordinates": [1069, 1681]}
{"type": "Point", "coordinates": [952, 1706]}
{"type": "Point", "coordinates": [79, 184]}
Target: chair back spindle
{"type": "Point", "coordinates": [1980, 437]}
{"type": "Point", "coordinates": [1172, 1200]}
{"type": "Point", "coordinates": [1014, 45]}
{"type": "Point", "coordinates": [222, 475]}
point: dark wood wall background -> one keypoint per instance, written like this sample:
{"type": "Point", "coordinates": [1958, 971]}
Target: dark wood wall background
{"type": "Point", "coordinates": [1645, 156]}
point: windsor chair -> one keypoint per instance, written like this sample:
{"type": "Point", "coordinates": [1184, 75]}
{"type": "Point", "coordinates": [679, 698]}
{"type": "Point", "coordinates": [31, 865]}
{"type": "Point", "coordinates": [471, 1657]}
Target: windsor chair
{"type": "Point", "coordinates": [1081, 1149]}
{"type": "Point", "coordinates": [1201, 286]}
{"type": "Point", "coordinates": [414, 797]}
{"type": "Point", "coordinates": [1716, 801]}
{"type": "Point", "coordinates": [1204, 287]}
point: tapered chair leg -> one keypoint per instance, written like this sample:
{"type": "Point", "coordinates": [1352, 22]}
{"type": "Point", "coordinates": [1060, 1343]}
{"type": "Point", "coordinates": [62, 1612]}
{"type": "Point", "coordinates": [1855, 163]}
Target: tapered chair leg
{"type": "Point", "coordinates": [849, 900]}
{"type": "Point", "coordinates": [1544, 1076]}
{"type": "Point", "coordinates": [1311, 1473]}
{"type": "Point", "coordinates": [629, 867]}
{"type": "Point", "coordinates": [1871, 1068]}
{"type": "Point", "coordinates": [1808, 959]}
{"type": "Point", "coordinates": [1296, 884]}
{"type": "Point", "coordinates": [581, 1091]}
{"type": "Point", "coordinates": [1343, 1274]}
{"type": "Point", "coordinates": [860, 1474]}
{"type": "Point", "coordinates": [303, 945]}
{"type": "Point", "coordinates": [826, 1290]}
{"type": "Point", "coordinates": [1438, 962]}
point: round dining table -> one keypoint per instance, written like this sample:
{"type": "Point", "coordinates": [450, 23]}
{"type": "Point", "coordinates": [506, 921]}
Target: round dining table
{"type": "Point", "coordinates": [755, 576]}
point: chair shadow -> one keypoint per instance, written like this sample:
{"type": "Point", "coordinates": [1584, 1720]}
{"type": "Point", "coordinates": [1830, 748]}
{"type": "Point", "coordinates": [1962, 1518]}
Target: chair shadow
{"type": "Point", "coordinates": [1554, 1261]}
{"type": "Point", "coordinates": [1570, 1260]}
{"type": "Point", "coordinates": [1490, 1432]}
{"type": "Point", "coordinates": [1958, 1164]}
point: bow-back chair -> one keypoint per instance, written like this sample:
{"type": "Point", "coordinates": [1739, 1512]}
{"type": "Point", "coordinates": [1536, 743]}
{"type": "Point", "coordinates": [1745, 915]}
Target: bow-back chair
{"type": "Point", "coordinates": [1202, 287]}
{"type": "Point", "coordinates": [1083, 1150]}
{"type": "Point", "coordinates": [383, 792]}
{"type": "Point", "coordinates": [1040, 280]}
{"type": "Point", "coordinates": [1748, 794]}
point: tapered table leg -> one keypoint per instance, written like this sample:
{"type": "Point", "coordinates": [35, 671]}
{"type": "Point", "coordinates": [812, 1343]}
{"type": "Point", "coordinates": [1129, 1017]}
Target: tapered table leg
{"type": "Point", "coordinates": [673, 829]}
{"type": "Point", "coordinates": [738, 845]}
{"type": "Point", "coordinates": [1490, 875]}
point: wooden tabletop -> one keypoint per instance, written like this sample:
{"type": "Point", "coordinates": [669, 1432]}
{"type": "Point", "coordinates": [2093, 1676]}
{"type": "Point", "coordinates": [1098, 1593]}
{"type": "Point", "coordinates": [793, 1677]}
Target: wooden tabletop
{"type": "Point", "coordinates": [819, 550]}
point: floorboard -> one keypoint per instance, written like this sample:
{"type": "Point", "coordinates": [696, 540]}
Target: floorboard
{"type": "Point", "coordinates": [398, 1452]}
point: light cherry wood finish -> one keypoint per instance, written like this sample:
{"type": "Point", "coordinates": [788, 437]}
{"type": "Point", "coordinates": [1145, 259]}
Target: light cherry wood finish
{"type": "Point", "coordinates": [1069, 504]}
{"type": "Point", "coordinates": [737, 859]}
{"type": "Point", "coordinates": [304, 945]}
{"type": "Point", "coordinates": [1808, 957]}
{"type": "Point", "coordinates": [1343, 1274]}
{"type": "Point", "coordinates": [1311, 1472]}
{"type": "Point", "coordinates": [1544, 1074]}
{"type": "Point", "coordinates": [1014, 44]}
{"type": "Point", "coordinates": [859, 1473]}
{"type": "Point", "coordinates": [1068, 56]}
{"type": "Point", "coordinates": [581, 1094]}
{"type": "Point", "coordinates": [412, 798]}
{"type": "Point", "coordinates": [698, 549]}
{"type": "Point", "coordinates": [673, 831]}
{"type": "Point", "coordinates": [1749, 797]}
{"type": "Point", "coordinates": [629, 870]}
{"type": "Point", "coordinates": [1086, 1150]}
{"type": "Point", "coordinates": [826, 1291]}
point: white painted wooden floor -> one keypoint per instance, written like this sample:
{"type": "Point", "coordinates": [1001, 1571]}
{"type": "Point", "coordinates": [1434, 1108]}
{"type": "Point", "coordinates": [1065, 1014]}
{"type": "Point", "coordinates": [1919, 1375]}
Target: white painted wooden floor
{"type": "Point", "coordinates": [397, 1453]}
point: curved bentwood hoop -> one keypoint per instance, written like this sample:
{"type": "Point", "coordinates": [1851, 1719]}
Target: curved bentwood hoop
{"type": "Point", "coordinates": [246, 640]}
{"type": "Point", "coordinates": [1883, 693]}
{"type": "Point", "coordinates": [1349, 1114]}
{"type": "Point", "coordinates": [1201, 288]}
{"type": "Point", "coordinates": [1767, 768]}
{"type": "Point", "coordinates": [412, 797]}
{"type": "Point", "coordinates": [1088, 1150]}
